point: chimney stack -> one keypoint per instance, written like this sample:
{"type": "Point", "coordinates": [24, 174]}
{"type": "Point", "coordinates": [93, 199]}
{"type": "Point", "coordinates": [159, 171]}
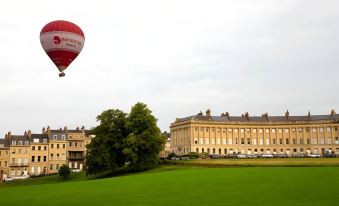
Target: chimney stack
{"type": "Point", "coordinates": [29, 135]}
{"type": "Point", "coordinates": [43, 130]}
{"type": "Point", "coordinates": [333, 112]}
{"type": "Point", "coordinates": [287, 114]}
{"type": "Point", "coordinates": [65, 129]}
{"type": "Point", "coordinates": [208, 112]}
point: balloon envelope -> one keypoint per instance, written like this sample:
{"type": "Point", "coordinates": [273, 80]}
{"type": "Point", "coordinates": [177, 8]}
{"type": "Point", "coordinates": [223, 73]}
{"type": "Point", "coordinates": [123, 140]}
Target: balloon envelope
{"type": "Point", "coordinates": [62, 41]}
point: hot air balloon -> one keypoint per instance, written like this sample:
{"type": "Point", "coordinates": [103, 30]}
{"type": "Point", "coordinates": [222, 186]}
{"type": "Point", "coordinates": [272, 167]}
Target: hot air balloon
{"type": "Point", "coordinates": [62, 41]}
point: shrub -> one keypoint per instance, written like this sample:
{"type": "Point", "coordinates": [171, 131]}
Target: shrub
{"type": "Point", "coordinates": [64, 171]}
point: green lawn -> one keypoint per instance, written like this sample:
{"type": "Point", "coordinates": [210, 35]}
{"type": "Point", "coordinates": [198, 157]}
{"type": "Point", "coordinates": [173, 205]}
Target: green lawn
{"type": "Point", "coordinates": [178, 185]}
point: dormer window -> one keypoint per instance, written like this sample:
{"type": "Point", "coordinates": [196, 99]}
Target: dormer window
{"type": "Point", "coordinates": [13, 142]}
{"type": "Point", "coordinates": [63, 137]}
{"type": "Point", "coordinates": [20, 143]}
{"type": "Point", "coordinates": [54, 137]}
{"type": "Point", "coordinates": [26, 143]}
{"type": "Point", "coordinates": [44, 140]}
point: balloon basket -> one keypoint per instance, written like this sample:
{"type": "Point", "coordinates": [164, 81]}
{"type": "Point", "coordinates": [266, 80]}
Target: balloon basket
{"type": "Point", "coordinates": [62, 74]}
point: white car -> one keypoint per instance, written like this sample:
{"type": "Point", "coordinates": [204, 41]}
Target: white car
{"type": "Point", "coordinates": [267, 156]}
{"type": "Point", "coordinates": [241, 156]}
{"type": "Point", "coordinates": [313, 155]}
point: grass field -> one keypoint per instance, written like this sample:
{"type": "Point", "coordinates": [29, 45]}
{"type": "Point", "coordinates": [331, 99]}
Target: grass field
{"type": "Point", "coordinates": [188, 185]}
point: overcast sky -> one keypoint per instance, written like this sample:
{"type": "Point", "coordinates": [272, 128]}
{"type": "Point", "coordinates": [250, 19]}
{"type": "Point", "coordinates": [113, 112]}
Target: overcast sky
{"type": "Point", "coordinates": [178, 57]}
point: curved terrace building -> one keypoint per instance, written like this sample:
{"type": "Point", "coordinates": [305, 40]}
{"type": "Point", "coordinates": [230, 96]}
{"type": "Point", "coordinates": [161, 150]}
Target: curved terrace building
{"type": "Point", "coordinates": [245, 134]}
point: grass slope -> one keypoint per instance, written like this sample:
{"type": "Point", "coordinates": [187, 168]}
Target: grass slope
{"type": "Point", "coordinates": [190, 186]}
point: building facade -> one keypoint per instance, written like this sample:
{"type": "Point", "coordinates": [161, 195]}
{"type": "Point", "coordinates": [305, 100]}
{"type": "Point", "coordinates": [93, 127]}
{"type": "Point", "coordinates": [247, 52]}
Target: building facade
{"type": "Point", "coordinates": [30, 154]}
{"type": "Point", "coordinates": [280, 135]}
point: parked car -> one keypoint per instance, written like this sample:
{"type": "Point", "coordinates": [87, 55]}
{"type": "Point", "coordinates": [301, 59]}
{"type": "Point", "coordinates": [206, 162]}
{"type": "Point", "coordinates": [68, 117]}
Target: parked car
{"type": "Point", "coordinates": [267, 156]}
{"type": "Point", "coordinates": [242, 156]}
{"type": "Point", "coordinates": [329, 154]}
{"type": "Point", "coordinates": [313, 155]}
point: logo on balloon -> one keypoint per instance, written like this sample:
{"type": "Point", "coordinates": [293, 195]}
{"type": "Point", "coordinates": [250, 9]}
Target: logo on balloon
{"type": "Point", "coordinates": [57, 40]}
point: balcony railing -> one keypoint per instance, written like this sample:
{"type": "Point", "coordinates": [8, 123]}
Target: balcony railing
{"type": "Point", "coordinates": [76, 158]}
{"type": "Point", "coordinates": [19, 164]}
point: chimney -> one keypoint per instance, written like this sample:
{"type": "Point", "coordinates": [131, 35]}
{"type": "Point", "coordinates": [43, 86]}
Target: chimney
{"type": "Point", "coordinates": [208, 112]}
{"type": "Point", "coordinates": [287, 114]}
{"type": "Point", "coordinates": [309, 115]}
{"type": "Point", "coordinates": [77, 129]}
{"type": "Point", "coordinates": [43, 130]}
{"type": "Point", "coordinates": [65, 129]}
{"type": "Point", "coordinates": [29, 134]}
{"type": "Point", "coordinates": [333, 112]}
{"type": "Point", "coordinates": [25, 134]}
{"type": "Point", "coordinates": [60, 129]}
{"type": "Point", "coordinates": [247, 115]}
{"type": "Point", "coordinates": [265, 115]}
{"type": "Point", "coordinates": [200, 113]}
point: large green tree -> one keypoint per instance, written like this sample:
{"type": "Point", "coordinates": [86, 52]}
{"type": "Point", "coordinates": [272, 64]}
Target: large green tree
{"type": "Point", "coordinates": [144, 141]}
{"type": "Point", "coordinates": [106, 150]}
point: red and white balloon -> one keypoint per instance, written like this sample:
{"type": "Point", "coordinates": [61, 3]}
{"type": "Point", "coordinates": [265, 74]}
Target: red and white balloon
{"type": "Point", "coordinates": [62, 41]}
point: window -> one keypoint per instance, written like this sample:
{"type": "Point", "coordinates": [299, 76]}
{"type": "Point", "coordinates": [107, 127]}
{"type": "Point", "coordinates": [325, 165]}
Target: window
{"type": "Point", "coordinates": [207, 129]}
{"type": "Point", "coordinates": [70, 144]}
{"type": "Point", "coordinates": [45, 158]}
{"type": "Point", "coordinates": [57, 146]}
{"type": "Point", "coordinates": [329, 140]}
{"type": "Point", "coordinates": [322, 140]}
{"type": "Point", "coordinates": [267, 130]}
{"type": "Point", "coordinates": [52, 145]}
{"type": "Point", "coordinates": [267, 141]}
{"type": "Point", "coordinates": [45, 148]}
{"type": "Point", "coordinates": [273, 131]}
{"type": "Point", "coordinates": [57, 166]}
{"type": "Point", "coordinates": [63, 137]}
{"type": "Point", "coordinates": [287, 130]}
{"type": "Point", "coordinates": [280, 141]}
{"type": "Point", "coordinates": [44, 140]}
{"type": "Point", "coordinates": [248, 141]}
{"type": "Point", "coordinates": [13, 142]}
{"type": "Point", "coordinates": [242, 141]}
{"type": "Point", "coordinates": [39, 158]}
{"type": "Point", "coordinates": [54, 137]}
{"type": "Point", "coordinates": [201, 129]}
{"type": "Point", "coordinates": [51, 167]}
{"type": "Point", "coordinates": [300, 129]}
{"type": "Point", "coordinates": [58, 156]}
{"type": "Point", "coordinates": [336, 129]}
{"type": "Point", "coordinates": [207, 141]}
{"type": "Point", "coordinates": [273, 141]}
{"type": "Point", "coordinates": [201, 140]}
{"type": "Point", "coordinates": [51, 156]}
{"type": "Point", "coordinates": [39, 148]}
{"type": "Point", "coordinates": [213, 141]}
{"type": "Point", "coordinates": [307, 129]}
{"type": "Point", "coordinates": [314, 129]}
{"type": "Point", "coordinates": [321, 129]}
{"type": "Point", "coordinates": [230, 130]}
{"type": "Point", "coordinates": [213, 130]}
{"type": "Point", "coordinates": [195, 141]}
{"type": "Point", "coordinates": [75, 144]}
{"type": "Point", "coordinates": [280, 130]}
{"type": "Point", "coordinates": [254, 130]}
{"type": "Point", "coordinates": [33, 147]}
{"type": "Point", "coordinates": [223, 130]}
{"type": "Point", "coordinates": [337, 140]}
{"type": "Point", "coordinates": [328, 129]}
{"type": "Point", "coordinates": [315, 140]}
{"type": "Point", "coordinates": [287, 141]}
{"type": "Point", "coordinates": [261, 141]}
{"type": "Point", "coordinates": [293, 141]}
{"type": "Point", "coordinates": [301, 141]}
{"type": "Point", "coordinates": [293, 129]}
{"type": "Point", "coordinates": [248, 130]}
{"type": "Point", "coordinates": [260, 131]}
{"type": "Point", "coordinates": [20, 143]}
{"type": "Point", "coordinates": [33, 158]}
{"type": "Point", "coordinates": [19, 151]}
{"type": "Point", "coordinates": [242, 131]}
{"type": "Point", "coordinates": [26, 143]}
{"type": "Point", "coordinates": [308, 141]}
{"type": "Point", "coordinates": [255, 141]}
{"type": "Point", "coordinates": [235, 130]}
